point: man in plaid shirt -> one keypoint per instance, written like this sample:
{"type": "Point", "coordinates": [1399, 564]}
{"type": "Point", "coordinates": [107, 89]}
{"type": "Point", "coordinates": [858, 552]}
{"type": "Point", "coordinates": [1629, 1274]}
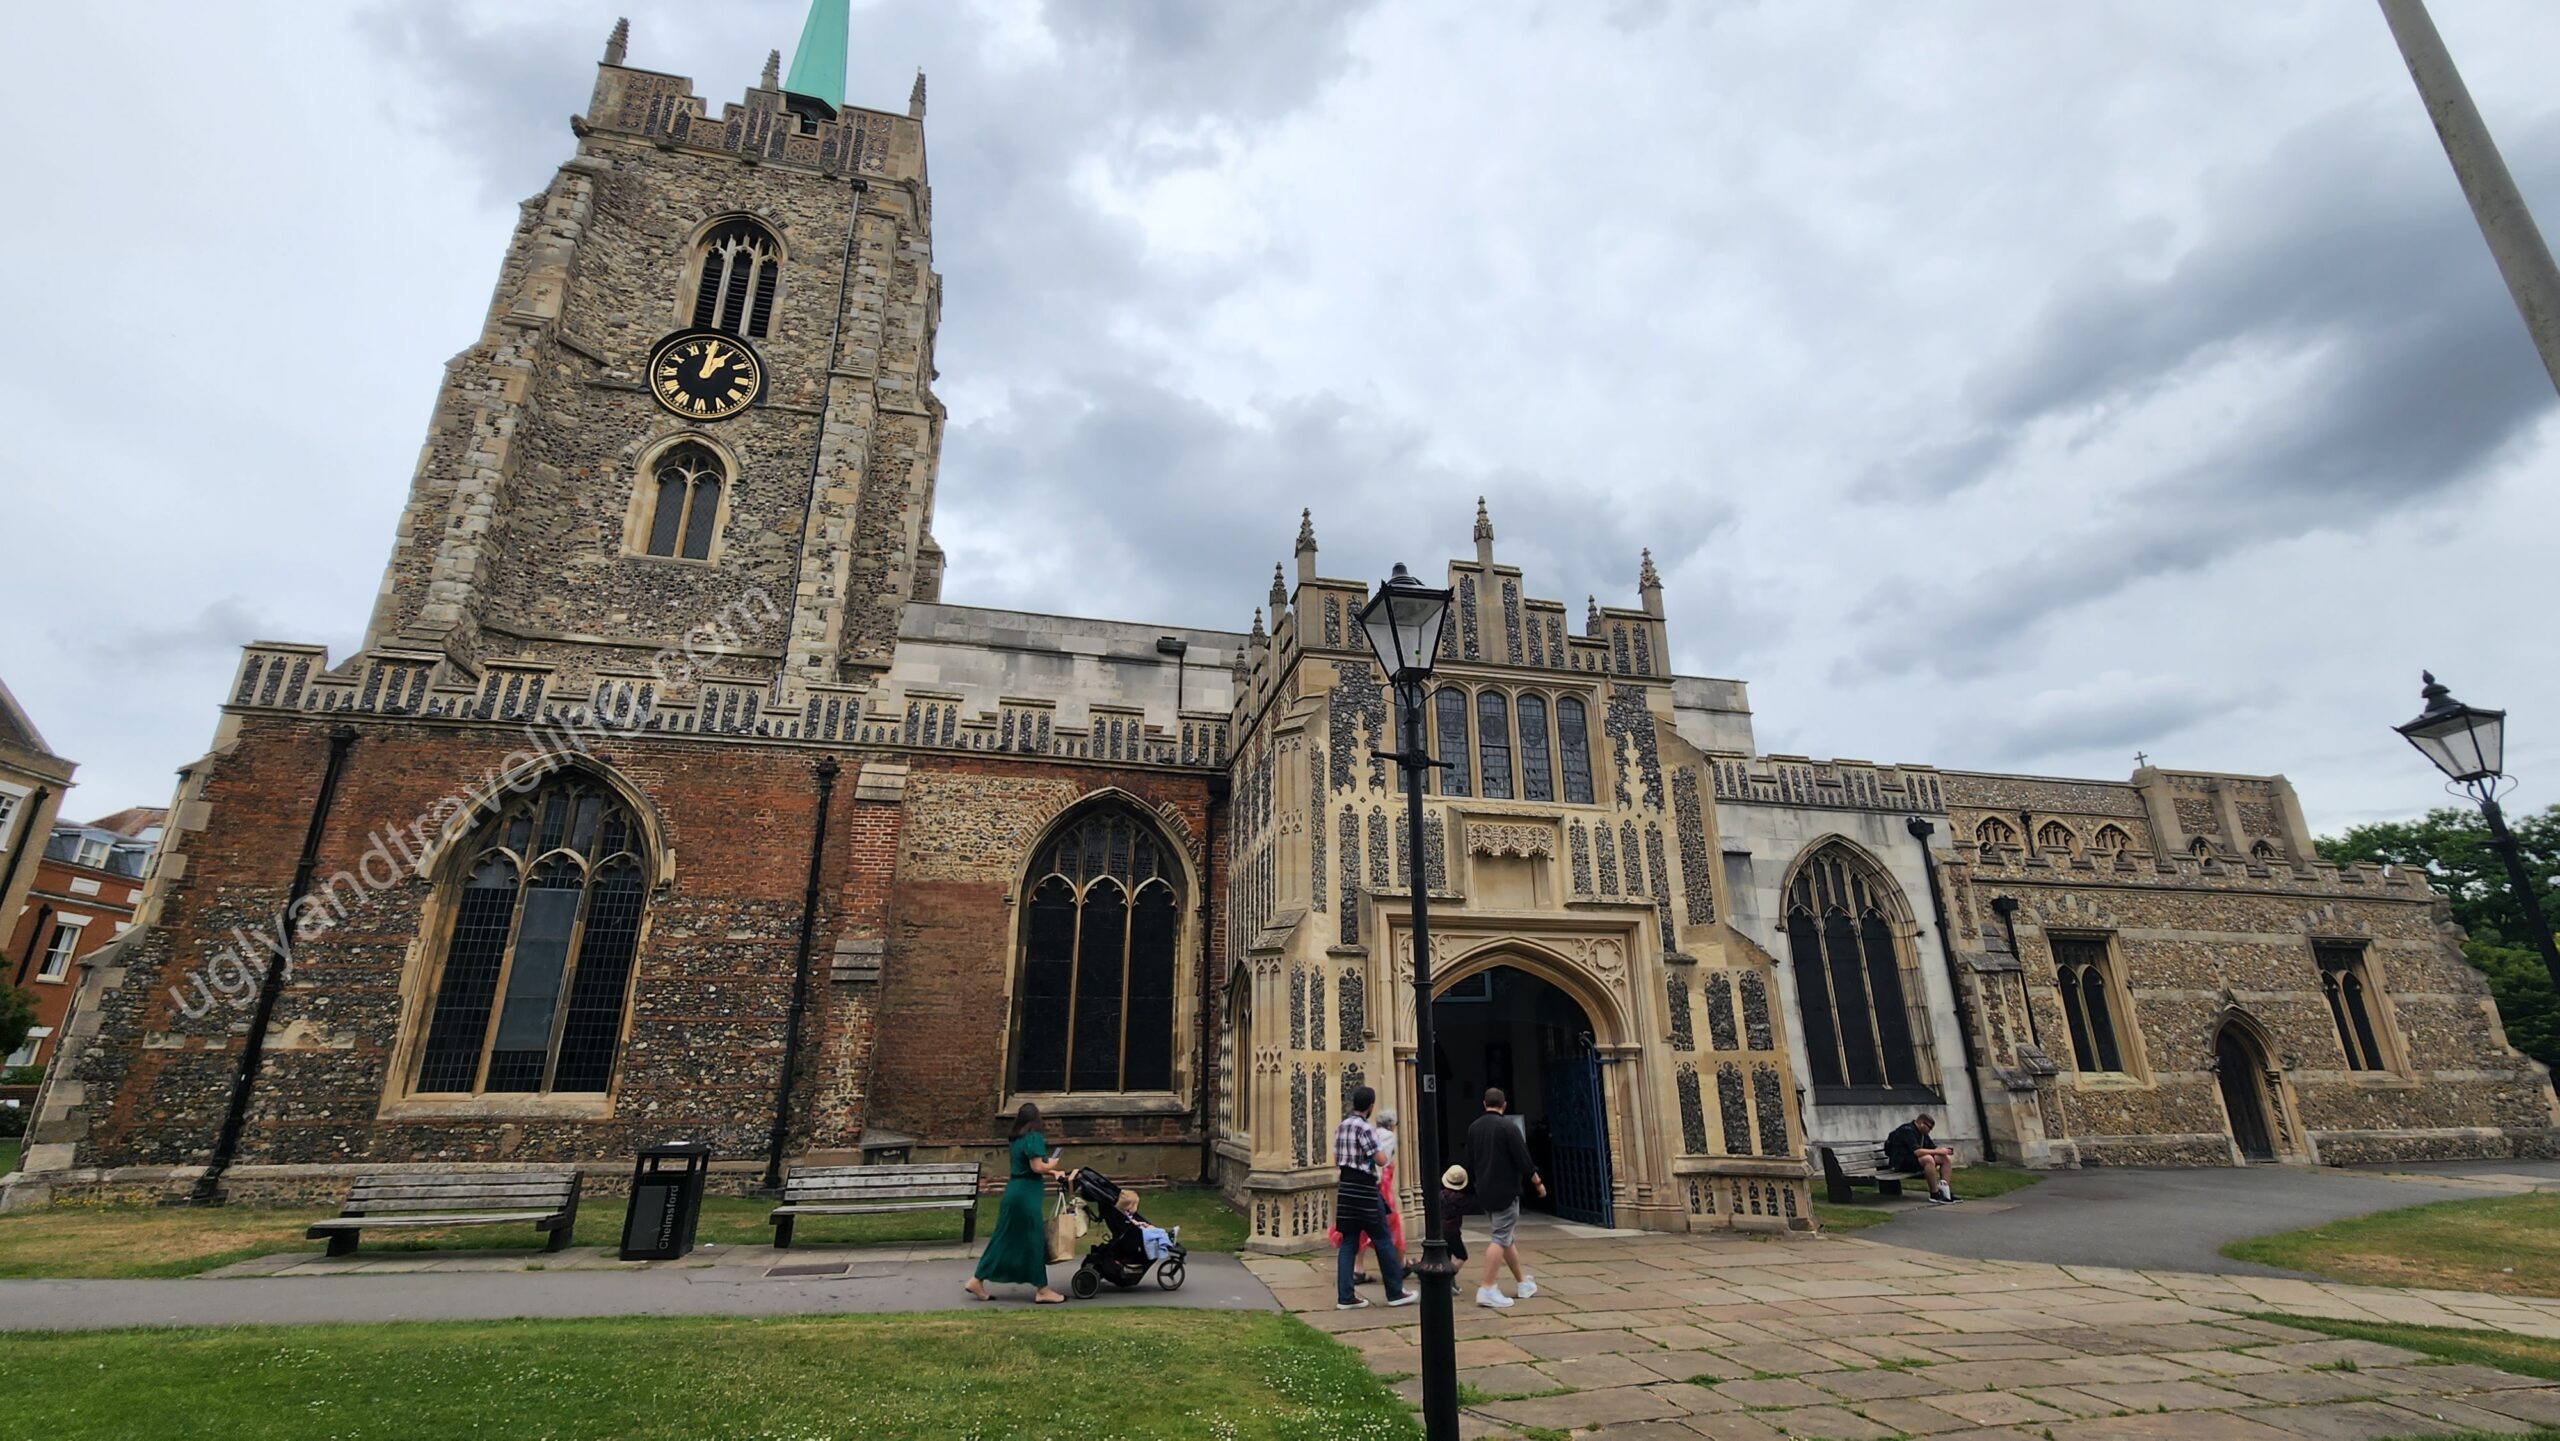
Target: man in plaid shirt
{"type": "Point", "coordinates": [1358, 1208]}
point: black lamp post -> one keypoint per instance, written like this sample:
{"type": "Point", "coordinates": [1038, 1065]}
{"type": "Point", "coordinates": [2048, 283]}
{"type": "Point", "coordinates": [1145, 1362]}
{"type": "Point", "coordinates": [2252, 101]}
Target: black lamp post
{"type": "Point", "coordinates": [2469, 745]}
{"type": "Point", "coordinates": [1403, 621]}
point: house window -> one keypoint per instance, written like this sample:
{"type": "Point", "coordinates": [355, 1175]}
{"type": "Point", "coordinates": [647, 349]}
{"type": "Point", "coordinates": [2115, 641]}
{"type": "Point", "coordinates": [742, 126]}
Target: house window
{"type": "Point", "coordinates": [1995, 834]}
{"type": "Point", "coordinates": [2346, 981]}
{"type": "Point", "coordinates": [58, 950]}
{"type": "Point", "coordinates": [684, 512]}
{"type": "Point", "coordinates": [2055, 836]}
{"type": "Point", "coordinates": [10, 801]}
{"type": "Point", "coordinates": [1493, 744]}
{"type": "Point", "coordinates": [740, 267]}
{"type": "Point", "coordinates": [1573, 750]}
{"type": "Point", "coordinates": [92, 853]}
{"type": "Point", "coordinates": [25, 1055]}
{"type": "Point", "coordinates": [535, 983]}
{"type": "Point", "coordinates": [1099, 937]}
{"type": "Point", "coordinates": [1537, 776]}
{"type": "Point", "coordinates": [2080, 973]}
{"type": "Point", "coordinates": [1847, 938]}
{"type": "Point", "coordinates": [1449, 717]}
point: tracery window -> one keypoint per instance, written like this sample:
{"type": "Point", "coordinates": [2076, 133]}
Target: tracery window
{"type": "Point", "coordinates": [684, 512]}
{"type": "Point", "coordinates": [535, 981]}
{"type": "Point", "coordinates": [1995, 833]}
{"type": "Point", "coordinates": [2200, 847]}
{"type": "Point", "coordinates": [740, 268]}
{"type": "Point", "coordinates": [1493, 743]}
{"type": "Point", "coordinates": [1573, 750]}
{"type": "Point", "coordinates": [1856, 991]}
{"type": "Point", "coordinates": [1537, 777]}
{"type": "Point", "coordinates": [2264, 851]}
{"type": "Point", "coordinates": [1100, 931]}
{"type": "Point", "coordinates": [2345, 981]}
{"type": "Point", "coordinates": [2080, 973]}
{"type": "Point", "coordinates": [2110, 840]}
{"type": "Point", "coordinates": [1450, 729]}
{"type": "Point", "coordinates": [2055, 836]}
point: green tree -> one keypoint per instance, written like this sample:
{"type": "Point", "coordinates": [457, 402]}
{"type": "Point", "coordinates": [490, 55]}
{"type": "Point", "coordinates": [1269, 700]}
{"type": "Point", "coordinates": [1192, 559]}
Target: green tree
{"type": "Point", "coordinates": [2452, 847]}
{"type": "Point", "coordinates": [17, 1017]}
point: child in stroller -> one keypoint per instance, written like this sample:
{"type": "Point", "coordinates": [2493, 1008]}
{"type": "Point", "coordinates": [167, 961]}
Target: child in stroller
{"type": "Point", "coordinates": [1122, 1257]}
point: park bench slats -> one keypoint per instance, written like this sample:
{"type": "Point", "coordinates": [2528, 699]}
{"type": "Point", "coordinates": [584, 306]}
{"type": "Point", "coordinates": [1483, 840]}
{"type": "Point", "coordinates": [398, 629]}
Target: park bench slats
{"type": "Point", "coordinates": [1858, 1163]}
{"type": "Point", "coordinates": [867, 1190]}
{"type": "Point", "coordinates": [546, 1199]}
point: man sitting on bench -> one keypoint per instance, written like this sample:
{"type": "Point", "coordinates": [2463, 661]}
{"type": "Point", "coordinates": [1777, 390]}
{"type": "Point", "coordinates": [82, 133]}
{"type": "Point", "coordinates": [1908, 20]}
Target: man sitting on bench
{"type": "Point", "coordinates": [1908, 1149]}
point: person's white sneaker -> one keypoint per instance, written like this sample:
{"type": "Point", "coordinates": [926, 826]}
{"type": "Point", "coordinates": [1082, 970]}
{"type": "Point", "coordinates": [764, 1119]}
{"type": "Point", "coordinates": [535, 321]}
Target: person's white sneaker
{"type": "Point", "coordinates": [1355, 1304]}
{"type": "Point", "coordinates": [1492, 1296]}
{"type": "Point", "coordinates": [1407, 1299]}
{"type": "Point", "coordinates": [1528, 1287]}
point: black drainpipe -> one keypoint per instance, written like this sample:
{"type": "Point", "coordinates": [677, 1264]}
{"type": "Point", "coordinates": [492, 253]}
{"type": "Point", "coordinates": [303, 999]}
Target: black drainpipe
{"type": "Point", "coordinates": [253, 1050]}
{"type": "Point", "coordinates": [1921, 831]}
{"type": "Point", "coordinates": [799, 980]}
{"type": "Point", "coordinates": [1208, 1062]}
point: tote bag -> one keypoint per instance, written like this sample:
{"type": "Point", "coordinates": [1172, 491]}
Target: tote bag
{"type": "Point", "coordinates": [1064, 1228]}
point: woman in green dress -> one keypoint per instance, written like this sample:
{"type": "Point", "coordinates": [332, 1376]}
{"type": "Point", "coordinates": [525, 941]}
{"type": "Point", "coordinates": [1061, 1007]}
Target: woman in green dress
{"type": "Point", "coordinates": [1018, 1253]}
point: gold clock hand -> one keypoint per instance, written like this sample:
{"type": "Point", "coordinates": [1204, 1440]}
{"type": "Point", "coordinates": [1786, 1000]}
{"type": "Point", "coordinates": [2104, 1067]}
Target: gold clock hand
{"type": "Point", "coordinates": [710, 361]}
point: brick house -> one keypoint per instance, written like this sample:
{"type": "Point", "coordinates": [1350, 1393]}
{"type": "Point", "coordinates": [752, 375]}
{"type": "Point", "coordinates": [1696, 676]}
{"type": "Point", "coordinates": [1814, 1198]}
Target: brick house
{"type": "Point", "coordinates": [667, 798]}
{"type": "Point", "coordinates": [86, 889]}
{"type": "Point", "coordinates": [32, 780]}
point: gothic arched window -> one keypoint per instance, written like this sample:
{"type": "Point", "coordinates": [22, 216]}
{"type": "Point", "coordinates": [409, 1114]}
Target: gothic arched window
{"type": "Point", "coordinates": [535, 979]}
{"type": "Point", "coordinates": [739, 269]}
{"type": "Point", "coordinates": [1449, 724]}
{"type": "Point", "coordinates": [2110, 840]}
{"type": "Point", "coordinates": [2055, 836]}
{"type": "Point", "coordinates": [1573, 750]}
{"type": "Point", "coordinates": [1856, 989]}
{"type": "Point", "coordinates": [684, 501]}
{"type": "Point", "coordinates": [1995, 834]}
{"type": "Point", "coordinates": [2080, 977]}
{"type": "Point", "coordinates": [1537, 776]}
{"type": "Point", "coordinates": [1493, 744]}
{"type": "Point", "coordinates": [1100, 929]}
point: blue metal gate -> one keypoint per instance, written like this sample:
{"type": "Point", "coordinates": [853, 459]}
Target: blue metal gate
{"type": "Point", "coordinates": [1578, 1130]}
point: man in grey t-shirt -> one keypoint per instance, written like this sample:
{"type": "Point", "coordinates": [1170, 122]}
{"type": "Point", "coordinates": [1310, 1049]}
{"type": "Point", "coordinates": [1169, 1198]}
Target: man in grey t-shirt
{"type": "Point", "coordinates": [1498, 1161]}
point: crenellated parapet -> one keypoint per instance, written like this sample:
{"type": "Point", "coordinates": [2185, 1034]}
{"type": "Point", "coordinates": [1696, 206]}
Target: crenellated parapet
{"type": "Point", "coordinates": [768, 128]}
{"type": "Point", "coordinates": [298, 679]}
{"type": "Point", "coordinates": [1779, 780]}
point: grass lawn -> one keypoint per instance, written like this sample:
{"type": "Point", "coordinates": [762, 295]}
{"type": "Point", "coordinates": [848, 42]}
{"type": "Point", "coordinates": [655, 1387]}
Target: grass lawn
{"type": "Point", "coordinates": [8, 1157]}
{"type": "Point", "coordinates": [130, 1241]}
{"type": "Point", "coordinates": [987, 1374]}
{"type": "Point", "coordinates": [2505, 1244]}
{"type": "Point", "coordinates": [1974, 1183]}
{"type": "Point", "coordinates": [2501, 1350]}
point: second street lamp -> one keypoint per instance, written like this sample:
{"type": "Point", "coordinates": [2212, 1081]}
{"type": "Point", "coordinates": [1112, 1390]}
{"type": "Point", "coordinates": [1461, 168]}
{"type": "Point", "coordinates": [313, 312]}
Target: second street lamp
{"type": "Point", "coordinates": [2469, 743]}
{"type": "Point", "coordinates": [1403, 622]}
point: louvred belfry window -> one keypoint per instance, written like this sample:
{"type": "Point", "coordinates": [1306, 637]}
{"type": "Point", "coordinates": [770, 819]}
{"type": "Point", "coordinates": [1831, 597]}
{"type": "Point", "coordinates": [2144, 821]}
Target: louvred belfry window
{"type": "Point", "coordinates": [1101, 926]}
{"type": "Point", "coordinates": [536, 975]}
{"type": "Point", "coordinates": [1863, 1029]}
{"type": "Point", "coordinates": [741, 268]}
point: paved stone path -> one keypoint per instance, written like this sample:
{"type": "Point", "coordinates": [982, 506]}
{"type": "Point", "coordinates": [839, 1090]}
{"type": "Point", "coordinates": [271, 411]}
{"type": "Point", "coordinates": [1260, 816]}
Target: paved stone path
{"type": "Point", "coordinates": [1745, 1339]}
{"type": "Point", "coordinates": [299, 1288]}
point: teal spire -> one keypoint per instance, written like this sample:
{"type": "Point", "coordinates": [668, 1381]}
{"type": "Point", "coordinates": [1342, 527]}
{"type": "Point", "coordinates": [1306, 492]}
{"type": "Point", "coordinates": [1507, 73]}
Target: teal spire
{"type": "Point", "coordinates": [817, 66]}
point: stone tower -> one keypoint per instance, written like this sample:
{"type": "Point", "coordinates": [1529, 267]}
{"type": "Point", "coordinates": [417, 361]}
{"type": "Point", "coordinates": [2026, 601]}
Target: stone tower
{"type": "Point", "coordinates": [565, 513]}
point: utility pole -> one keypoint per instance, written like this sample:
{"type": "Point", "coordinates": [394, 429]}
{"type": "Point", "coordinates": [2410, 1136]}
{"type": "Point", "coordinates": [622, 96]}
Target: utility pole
{"type": "Point", "coordinates": [2514, 241]}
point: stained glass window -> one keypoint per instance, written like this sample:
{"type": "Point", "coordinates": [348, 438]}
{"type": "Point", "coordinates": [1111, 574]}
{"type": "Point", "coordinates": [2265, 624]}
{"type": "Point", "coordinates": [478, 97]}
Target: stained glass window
{"type": "Point", "coordinates": [1573, 750]}
{"type": "Point", "coordinates": [1101, 935]}
{"type": "Point", "coordinates": [1855, 988]}
{"type": "Point", "coordinates": [536, 976]}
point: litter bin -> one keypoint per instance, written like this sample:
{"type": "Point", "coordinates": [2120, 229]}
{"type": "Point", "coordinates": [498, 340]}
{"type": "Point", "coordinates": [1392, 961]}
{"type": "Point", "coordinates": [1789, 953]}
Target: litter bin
{"type": "Point", "coordinates": [666, 1200]}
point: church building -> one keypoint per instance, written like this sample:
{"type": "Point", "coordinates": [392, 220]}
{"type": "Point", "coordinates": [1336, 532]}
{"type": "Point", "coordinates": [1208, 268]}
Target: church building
{"type": "Point", "coordinates": [666, 798]}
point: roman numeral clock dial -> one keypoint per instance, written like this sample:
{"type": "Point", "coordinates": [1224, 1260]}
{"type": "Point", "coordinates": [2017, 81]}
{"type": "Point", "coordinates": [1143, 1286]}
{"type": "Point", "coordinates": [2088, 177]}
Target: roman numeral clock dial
{"type": "Point", "coordinates": [705, 374]}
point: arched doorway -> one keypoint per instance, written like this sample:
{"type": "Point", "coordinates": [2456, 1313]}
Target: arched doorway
{"type": "Point", "coordinates": [1504, 1026]}
{"type": "Point", "coordinates": [2241, 1068]}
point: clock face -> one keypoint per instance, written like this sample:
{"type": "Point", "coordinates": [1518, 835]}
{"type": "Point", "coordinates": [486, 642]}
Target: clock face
{"type": "Point", "coordinates": [705, 374]}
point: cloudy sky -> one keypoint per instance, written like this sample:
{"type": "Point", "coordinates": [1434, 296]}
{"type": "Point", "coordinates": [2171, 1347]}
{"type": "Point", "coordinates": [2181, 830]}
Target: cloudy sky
{"type": "Point", "coordinates": [1998, 385]}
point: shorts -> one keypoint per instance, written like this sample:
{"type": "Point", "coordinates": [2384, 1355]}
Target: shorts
{"type": "Point", "coordinates": [1504, 1221]}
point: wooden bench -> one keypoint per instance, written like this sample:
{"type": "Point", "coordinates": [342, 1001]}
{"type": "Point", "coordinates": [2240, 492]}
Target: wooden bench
{"type": "Point", "coordinates": [1859, 1164]}
{"type": "Point", "coordinates": [866, 1190]}
{"type": "Point", "coordinates": [546, 1199]}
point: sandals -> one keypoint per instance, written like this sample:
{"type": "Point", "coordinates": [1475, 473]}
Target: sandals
{"type": "Point", "coordinates": [1048, 1298]}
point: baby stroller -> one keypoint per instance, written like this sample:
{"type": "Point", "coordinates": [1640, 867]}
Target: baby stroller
{"type": "Point", "coordinates": [1121, 1259]}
